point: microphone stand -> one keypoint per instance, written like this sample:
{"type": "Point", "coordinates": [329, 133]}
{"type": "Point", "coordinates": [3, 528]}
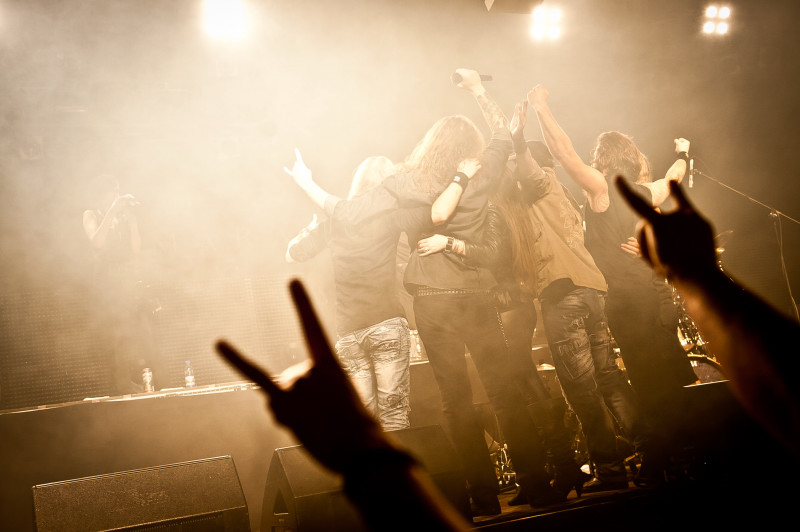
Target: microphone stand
{"type": "Point", "coordinates": [776, 215]}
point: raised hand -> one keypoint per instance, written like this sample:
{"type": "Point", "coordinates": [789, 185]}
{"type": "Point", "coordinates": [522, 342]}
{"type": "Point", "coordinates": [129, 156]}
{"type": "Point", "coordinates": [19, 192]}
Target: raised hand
{"type": "Point", "coordinates": [122, 202]}
{"type": "Point", "coordinates": [470, 79]}
{"type": "Point", "coordinates": [520, 119]}
{"type": "Point", "coordinates": [681, 144]}
{"type": "Point", "coordinates": [537, 97]}
{"type": "Point", "coordinates": [319, 405]}
{"type": "Point", "coordinates": [300, 172]}
{"type": "Point", "coordinates": [676, 244]}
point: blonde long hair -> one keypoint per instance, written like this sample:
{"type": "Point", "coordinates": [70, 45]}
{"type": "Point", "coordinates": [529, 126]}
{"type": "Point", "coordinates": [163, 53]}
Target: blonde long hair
{"type": "Point", "coordinates": [369, 174]}
{"type": "Point", "coordinates": [435, 158]}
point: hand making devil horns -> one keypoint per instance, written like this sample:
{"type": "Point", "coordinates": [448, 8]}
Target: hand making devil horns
{"type": "Point", "coordinates": [323, 410]}
{"type": "Point", "coordinates": [679, 244]}
{"type": "Point", "coordinates": [321, 406]}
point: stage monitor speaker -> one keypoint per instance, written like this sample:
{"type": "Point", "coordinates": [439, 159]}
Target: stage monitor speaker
{"type": "Point", "coordinates": [199, 495]}
{"type": "Point", "coordinates": [303, 496]}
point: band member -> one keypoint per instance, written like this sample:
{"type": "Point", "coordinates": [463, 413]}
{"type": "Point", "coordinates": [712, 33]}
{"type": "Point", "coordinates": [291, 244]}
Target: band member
{"type": "Point", "coordinates": [373, 343]}
{"type": "Point", "coordinates": [655, 361]}
{"type": "Point", "coordinates": [452, 302]}
{"type": "Point", "coordinates": [124, 327]}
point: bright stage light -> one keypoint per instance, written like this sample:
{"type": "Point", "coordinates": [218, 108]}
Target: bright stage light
{"type": "Point", "coordinates": [225, 19]}
{"type": "Point", "coordinates": [546, 23]}
{"type": "Point", "coordinates": [716, 20]}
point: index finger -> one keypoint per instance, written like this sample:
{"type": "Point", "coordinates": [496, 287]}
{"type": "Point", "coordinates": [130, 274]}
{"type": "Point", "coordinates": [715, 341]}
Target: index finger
{"type": "Point", "coordinates": [299, 157]}
{"type": "Point", "coordinates": [637, 203]}
{"type": "Point", "coordinates": [247, 368]}
{"type": "Point", "coordinates": [682, 202]}
{"type": "Point", "coordinates": [316, 340]}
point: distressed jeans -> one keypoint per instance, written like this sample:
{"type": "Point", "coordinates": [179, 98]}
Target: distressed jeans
{"type": "Point", "coordinates": [376, 358]}
{"type": "Point", "coordinates": [577, 332]}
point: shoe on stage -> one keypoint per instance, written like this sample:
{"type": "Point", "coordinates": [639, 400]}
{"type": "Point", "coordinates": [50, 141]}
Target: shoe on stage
{"type": "Point", "coordinates": [596, 485]}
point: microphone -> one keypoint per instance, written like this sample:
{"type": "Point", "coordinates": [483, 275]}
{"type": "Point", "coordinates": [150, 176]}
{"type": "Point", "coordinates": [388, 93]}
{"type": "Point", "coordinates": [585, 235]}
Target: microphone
{"type": "Point", "coordinates": [456, 78]}
{"type": "Point", "coordinates": [691, 172]}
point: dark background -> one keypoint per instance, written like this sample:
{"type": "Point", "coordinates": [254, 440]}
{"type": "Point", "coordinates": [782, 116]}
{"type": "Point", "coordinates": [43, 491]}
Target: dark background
{"type": "Point", "coordinates": [199, 131]}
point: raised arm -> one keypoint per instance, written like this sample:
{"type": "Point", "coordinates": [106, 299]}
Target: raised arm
{"type": "Point", "coordinates": [660, 189]}
{"type": "Point", "coordinates": [534, 181]}
{"type": "Point", "coordinates": [97, 230]}
{"type": "Point", "coordinates": [303, 178]}
{"type": "Point", "coordinates": [492, 113]}
{"type": "Point", "coordinates": [589, 179]}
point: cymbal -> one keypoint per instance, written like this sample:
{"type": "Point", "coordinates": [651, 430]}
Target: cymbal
{"type": "Point", "coordinates": [721, 239]}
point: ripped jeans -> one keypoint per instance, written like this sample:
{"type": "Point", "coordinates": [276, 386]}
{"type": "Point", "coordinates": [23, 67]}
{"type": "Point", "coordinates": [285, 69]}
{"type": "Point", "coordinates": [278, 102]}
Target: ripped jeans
{"type": "Point", "coordinates": [376, 358]}
{"type": "Point", "coordinates": [595, 387]}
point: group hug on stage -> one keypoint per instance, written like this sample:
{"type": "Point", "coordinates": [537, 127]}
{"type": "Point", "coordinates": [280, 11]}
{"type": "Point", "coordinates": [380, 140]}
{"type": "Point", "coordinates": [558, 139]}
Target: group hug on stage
{"type": "Point", "coordinates": [492, 232]}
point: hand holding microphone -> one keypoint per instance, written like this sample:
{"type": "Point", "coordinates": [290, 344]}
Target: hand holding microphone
{"type": "Point", "coordinates": [456, 78]}
{"type": "Point", "coordinates": [469, 79]}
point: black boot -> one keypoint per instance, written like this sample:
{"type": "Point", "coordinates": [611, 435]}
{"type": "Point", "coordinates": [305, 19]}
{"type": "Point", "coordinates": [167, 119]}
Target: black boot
{"type": "Point", "coordinates": [569, 477]}
{"type": "Point", "coordinates": [536, 493]}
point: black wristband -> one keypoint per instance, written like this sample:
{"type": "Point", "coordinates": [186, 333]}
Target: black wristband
{"type": "Point", "coordinates": [461, 179]}
{"type": "Point", "coordinates": [683, 155]}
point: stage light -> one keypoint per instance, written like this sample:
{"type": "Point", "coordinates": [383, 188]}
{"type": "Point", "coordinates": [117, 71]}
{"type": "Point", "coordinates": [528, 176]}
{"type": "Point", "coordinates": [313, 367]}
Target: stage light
{"type": "Point", "coordinates": [716, 20]}
{"type": "Point", "coordinates": [546, 23]}
{"type": "Point", "coordinates": [225, 19]}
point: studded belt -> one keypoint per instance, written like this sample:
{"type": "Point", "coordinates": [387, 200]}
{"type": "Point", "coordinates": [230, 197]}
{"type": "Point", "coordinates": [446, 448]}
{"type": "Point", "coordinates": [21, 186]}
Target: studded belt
{"type": "Point", "coordinates": [421, 291]}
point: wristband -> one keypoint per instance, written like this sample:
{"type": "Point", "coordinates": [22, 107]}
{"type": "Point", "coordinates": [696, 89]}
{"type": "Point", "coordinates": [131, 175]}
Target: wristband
{"type": "Point", "coordinates": [461, 179]}
{"type": "Point", "coordinates": [683, 155]}
{"type": "Point", "coordinates": [448, 248]}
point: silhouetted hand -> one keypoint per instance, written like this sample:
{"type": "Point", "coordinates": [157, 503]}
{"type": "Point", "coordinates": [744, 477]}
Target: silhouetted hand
{"type": "Point", "coordinates": [676, 244]}
{"type": "Point", "coordinates": [320, 405]}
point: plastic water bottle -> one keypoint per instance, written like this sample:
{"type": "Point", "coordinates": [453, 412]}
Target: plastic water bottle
{"type": "Point", "coordinates": [188, 375]}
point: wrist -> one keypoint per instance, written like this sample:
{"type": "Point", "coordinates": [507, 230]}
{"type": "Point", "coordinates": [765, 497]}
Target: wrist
{"type": "Point", "coordinates": [684, 154]}
{"type": "Point", "coordinates": [448, 248]}
{"type": "Point", "coordinates": [478, 90]}
{"type": "Point", "coordinates": [461, 179]}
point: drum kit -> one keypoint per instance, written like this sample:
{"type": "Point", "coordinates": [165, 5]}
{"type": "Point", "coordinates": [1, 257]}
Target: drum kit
{"type": "Point", "coordinates": [700, 356]}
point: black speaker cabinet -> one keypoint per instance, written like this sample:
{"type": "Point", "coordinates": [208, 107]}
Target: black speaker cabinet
{"type": "Point", "coordinates": [200, 495]}
{"type": "Point", "coordinates": [302, 496]}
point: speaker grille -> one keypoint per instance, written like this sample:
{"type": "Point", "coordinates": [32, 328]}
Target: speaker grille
{"type": "Point", "coordinates": [201, 491]}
